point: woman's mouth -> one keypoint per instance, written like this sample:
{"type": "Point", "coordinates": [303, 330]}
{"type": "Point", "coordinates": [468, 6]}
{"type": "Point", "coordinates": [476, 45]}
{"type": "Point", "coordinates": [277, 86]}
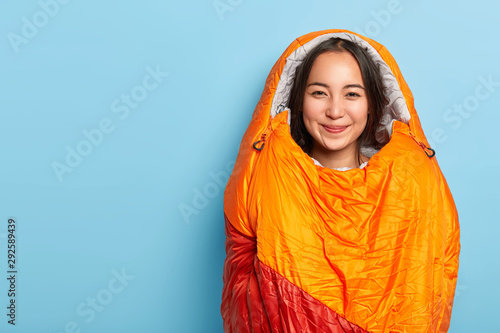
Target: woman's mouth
{"type": "Point", "coordinates": [334, 129]}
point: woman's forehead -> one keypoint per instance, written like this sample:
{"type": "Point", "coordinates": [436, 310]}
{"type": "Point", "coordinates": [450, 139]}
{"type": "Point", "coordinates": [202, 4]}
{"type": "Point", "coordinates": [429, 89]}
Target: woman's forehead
{"type": "Point", "coordinates": [332, 67]}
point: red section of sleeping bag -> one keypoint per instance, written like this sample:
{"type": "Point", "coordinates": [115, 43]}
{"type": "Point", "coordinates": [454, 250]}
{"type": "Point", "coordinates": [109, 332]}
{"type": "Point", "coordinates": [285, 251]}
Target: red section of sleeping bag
{"type": "Point", "coordinates": [258, 299]}
{"type": "Point", "coordinates": [242, 308]}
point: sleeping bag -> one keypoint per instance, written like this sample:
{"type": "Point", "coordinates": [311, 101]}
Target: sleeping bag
{"type": "Point", "coordinates": [314, 249]}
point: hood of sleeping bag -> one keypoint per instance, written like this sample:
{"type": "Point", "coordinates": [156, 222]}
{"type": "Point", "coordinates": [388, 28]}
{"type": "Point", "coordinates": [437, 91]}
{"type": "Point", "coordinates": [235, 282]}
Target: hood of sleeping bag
{"type": "Point", "coordinates": [313, 249]}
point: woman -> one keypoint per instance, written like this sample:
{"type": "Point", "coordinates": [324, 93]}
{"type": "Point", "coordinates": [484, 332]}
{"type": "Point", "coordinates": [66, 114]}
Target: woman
{"type": "Point", "coordinates": [338, 218]}
{"type": "Point", "coordinates": [329, 91]}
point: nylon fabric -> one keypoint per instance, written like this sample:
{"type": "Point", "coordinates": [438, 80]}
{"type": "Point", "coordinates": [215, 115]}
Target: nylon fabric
{"type": "Point", "coordinates": [266, 301]}
{"type": "Point", "coordinates": [377, 247]}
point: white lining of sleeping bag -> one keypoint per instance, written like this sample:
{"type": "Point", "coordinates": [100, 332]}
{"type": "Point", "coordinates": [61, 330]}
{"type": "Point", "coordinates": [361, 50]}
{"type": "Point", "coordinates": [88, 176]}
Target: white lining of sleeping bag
{"type": "Point", "coordinates": [396, 108]}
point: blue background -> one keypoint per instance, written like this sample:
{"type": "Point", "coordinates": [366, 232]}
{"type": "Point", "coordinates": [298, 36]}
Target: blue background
{"type": "Point", "coordinates": [119, 210]}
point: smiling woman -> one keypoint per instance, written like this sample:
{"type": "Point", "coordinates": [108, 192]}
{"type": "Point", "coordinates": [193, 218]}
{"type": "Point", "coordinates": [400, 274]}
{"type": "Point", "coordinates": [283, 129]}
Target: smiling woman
{"type": "Point", "coordinates": [335, 104]}
{"type": "Point", "coordinates": [338, 218]}
{"type": "Point", "coordinates": [335, 110]}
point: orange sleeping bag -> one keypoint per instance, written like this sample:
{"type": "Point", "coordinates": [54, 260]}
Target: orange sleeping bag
{"type": "Point", "coordinates": [313, 249]}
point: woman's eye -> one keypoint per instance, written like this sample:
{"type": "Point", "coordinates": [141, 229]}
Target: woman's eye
{"type": "Point", "coordinates": [318, 93]}
{"type": "Point", "coordinates": [352, 94]}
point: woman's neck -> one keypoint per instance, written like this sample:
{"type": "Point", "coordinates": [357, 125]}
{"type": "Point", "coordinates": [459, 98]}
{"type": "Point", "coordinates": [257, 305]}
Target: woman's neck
{"type": "Point", "coordinates": [338, 159]}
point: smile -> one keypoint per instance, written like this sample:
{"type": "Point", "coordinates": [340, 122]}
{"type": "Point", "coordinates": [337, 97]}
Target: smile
{"type": "Point", "coordinates": [334, 129]}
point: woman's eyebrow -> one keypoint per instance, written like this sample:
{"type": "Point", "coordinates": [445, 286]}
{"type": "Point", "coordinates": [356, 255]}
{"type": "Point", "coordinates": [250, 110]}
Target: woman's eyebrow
{"type": "Point", "coordinates": [318, 84]}
{"type": "Point", "coordinates": [354, 86]}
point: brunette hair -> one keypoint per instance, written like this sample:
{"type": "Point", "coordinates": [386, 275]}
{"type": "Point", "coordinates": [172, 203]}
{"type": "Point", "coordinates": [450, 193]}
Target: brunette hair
{"type": "Point", "coordinates": [372, 80]}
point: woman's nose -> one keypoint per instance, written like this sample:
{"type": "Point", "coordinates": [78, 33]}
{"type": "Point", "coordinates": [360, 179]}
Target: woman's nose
{"type": "Point", "coordinates": [335, 110]}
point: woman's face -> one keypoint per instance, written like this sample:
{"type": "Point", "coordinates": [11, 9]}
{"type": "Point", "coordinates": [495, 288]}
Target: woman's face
{"type": "Point", "coordinates": [335, 108]}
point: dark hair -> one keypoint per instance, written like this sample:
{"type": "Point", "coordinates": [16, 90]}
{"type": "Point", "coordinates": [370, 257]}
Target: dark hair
{"type": "Point", "coordinates": [372, 80]}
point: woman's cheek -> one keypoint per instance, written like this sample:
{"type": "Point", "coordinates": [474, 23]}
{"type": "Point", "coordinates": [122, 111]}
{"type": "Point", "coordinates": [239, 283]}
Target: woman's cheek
{"type": "Point", "coordinates": [313, 107]}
